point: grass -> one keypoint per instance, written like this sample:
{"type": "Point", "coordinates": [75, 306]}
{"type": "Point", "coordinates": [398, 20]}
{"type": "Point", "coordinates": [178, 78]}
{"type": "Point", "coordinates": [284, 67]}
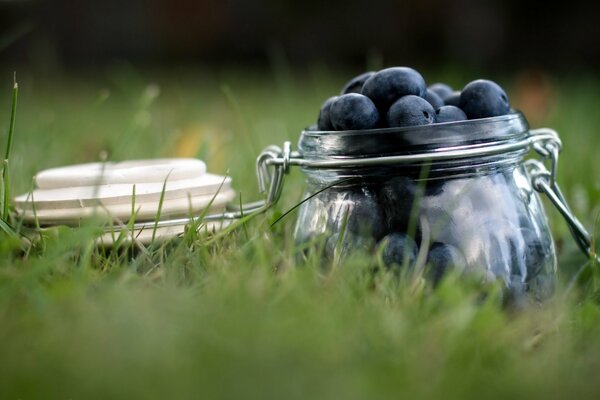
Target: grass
{"type": "Point", "coordinates": [239, 316]}
{"type": "Point", "coordinates": [5, 167]}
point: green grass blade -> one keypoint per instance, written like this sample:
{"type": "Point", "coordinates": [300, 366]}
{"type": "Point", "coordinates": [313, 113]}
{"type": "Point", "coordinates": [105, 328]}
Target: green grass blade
{"type": "Point", "coordinates": [160, 205]}
{"type": "Point", "coordinates": [242, 217]}
{"type": "Point", "coordinates": [337, 251]}
{"type": "Point", "coordinates": [13, 115]}
{"type": "Point", "coordinates": [132, 220]}
{"type": "Point", "coordinates": [197, 221]}
{"type": "Point", "coordinates": [6, 228]}
{"type": "Point", "coordinates": [11, 131]}
{"type": "Point", "coordinates": [5, 190]}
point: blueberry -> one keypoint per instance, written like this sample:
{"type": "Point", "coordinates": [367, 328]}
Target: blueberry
{"type": "Point", "coordinates": [388, 85]}
{"type": "Point", "coordinates": [353, 111]}
{"type": "Point", "coordinates": [434, 99]}
{"type": "Point", "coordinates": [399, 249]}
{"type": "Point", "coordinates": [449, 114]}
{"type": "Point", "coordinates": [355, 85]}
{"type": "Point", "coordinates": [366, 217]}
{"type": "Point", "coordinates": [324, 121]}
{"type": "Point", "coordinates": [441, 89]}
{"type": "Point", "coordinates": [483, 99]}
{"type": "Point", "coordinates": [452, 99]}
{"type": "Point", "coordinates": [441, 258]}
{"type": "Point", "coordinates": [410, 111]}
{"type": "Point", "coordinates": [535, 252]}
{"type": "Point", "coordinates": [397, 198]}
{"type": "Point", "coordinates": [435, 187]}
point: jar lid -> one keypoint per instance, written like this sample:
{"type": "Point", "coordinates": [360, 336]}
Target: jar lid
{"type": "Point", "coordinates": [124, 172]}
{"type": "Point", "coordinates": [172, 190]}
{"type": "Point", "coordinates": [408, 140]}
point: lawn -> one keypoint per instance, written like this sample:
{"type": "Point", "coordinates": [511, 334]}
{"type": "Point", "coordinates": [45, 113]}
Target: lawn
{"type": "Point", "coordinates": [241, 317]}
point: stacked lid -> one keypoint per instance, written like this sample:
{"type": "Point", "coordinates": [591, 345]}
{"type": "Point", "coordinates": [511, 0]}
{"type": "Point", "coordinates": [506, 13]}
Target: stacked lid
{"type": "Point", "coordinates": [113, 190]}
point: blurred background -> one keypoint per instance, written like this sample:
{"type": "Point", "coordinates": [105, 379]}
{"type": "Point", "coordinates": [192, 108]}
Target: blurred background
{"type": "Point", "coordinates": [498, 35]}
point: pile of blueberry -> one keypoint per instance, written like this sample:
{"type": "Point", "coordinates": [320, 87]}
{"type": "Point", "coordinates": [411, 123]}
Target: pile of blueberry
{"type": "Point", "coordinates": [376, 216]}
{"type": "Point", "coordinates": [496, 229]}
{"type": "Point", "coordinates": [398, 97]}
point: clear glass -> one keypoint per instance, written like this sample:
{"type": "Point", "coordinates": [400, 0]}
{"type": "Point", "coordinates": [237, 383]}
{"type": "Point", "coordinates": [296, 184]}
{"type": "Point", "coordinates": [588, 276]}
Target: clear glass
{"type": "Point", "coordinates": [484, 207]}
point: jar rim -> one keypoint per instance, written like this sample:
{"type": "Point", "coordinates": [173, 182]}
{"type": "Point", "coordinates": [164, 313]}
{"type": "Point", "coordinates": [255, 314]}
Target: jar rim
{"type": "Point", "coordinates": [409, 140]}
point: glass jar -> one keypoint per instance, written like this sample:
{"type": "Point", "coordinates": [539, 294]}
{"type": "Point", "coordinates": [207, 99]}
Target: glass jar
{"type": "Point", "coordinates": [454, 194]}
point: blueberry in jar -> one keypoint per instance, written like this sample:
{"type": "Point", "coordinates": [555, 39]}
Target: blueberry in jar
{"type": "Point", "coordinates": [396, 198]}
{"type": "Point", "coordinates": [452, 99]}
{"type": "Point", "coordinates": [435, 187]}
{"type": "Point", "coordinates": [353, 111]}
{"type": "Point", "coordinates": [441, 89]}
{"type": "Point", "coordinates": [441, 258]}
{"type": "Point", "coordinates": [449, 114]}
{"type": "Point", "coordinates": [535, 254]}
{"type": "Point", "coordinates": [355, 84]}
{"type": "Point", "coordinates": [388, 85]}
{"type": "Point", "coordinates": [434, 99]}
{"type": "Point", "coordinates": [410, 111]}
{"type": "Point", "coordinates": [366, 217]}
{"type": "Point", "coordinates": [324, 121]}
{"type": "Point", "coordinates": [399, 250]}
{"type": "Point", "coordinates": [483, 98]}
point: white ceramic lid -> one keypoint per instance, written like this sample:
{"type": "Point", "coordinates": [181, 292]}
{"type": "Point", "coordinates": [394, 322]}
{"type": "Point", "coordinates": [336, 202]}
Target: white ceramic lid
{"type": "Point", "coordinates": [113, 194]}
{"type": "Point", "coordinates": [66, 195]}
{"type": "Point", "coordinates": [135, 171]}
{"type": "Point", "coordinates": [145, 211]}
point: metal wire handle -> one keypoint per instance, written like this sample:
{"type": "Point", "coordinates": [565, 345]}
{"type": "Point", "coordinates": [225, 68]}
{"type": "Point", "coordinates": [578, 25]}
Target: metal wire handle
{"type": "Point", "coordinates": [544, 181]}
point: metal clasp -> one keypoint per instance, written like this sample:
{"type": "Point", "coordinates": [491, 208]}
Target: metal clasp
{"type": "Point", "coordinates": [547, 144]}
{"type": "Point", "coordinates": [271, 166]}
{"type": "Point", "coordinates": [272, 183]}
{"type": "Point", "coordinates": [270, 178]}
